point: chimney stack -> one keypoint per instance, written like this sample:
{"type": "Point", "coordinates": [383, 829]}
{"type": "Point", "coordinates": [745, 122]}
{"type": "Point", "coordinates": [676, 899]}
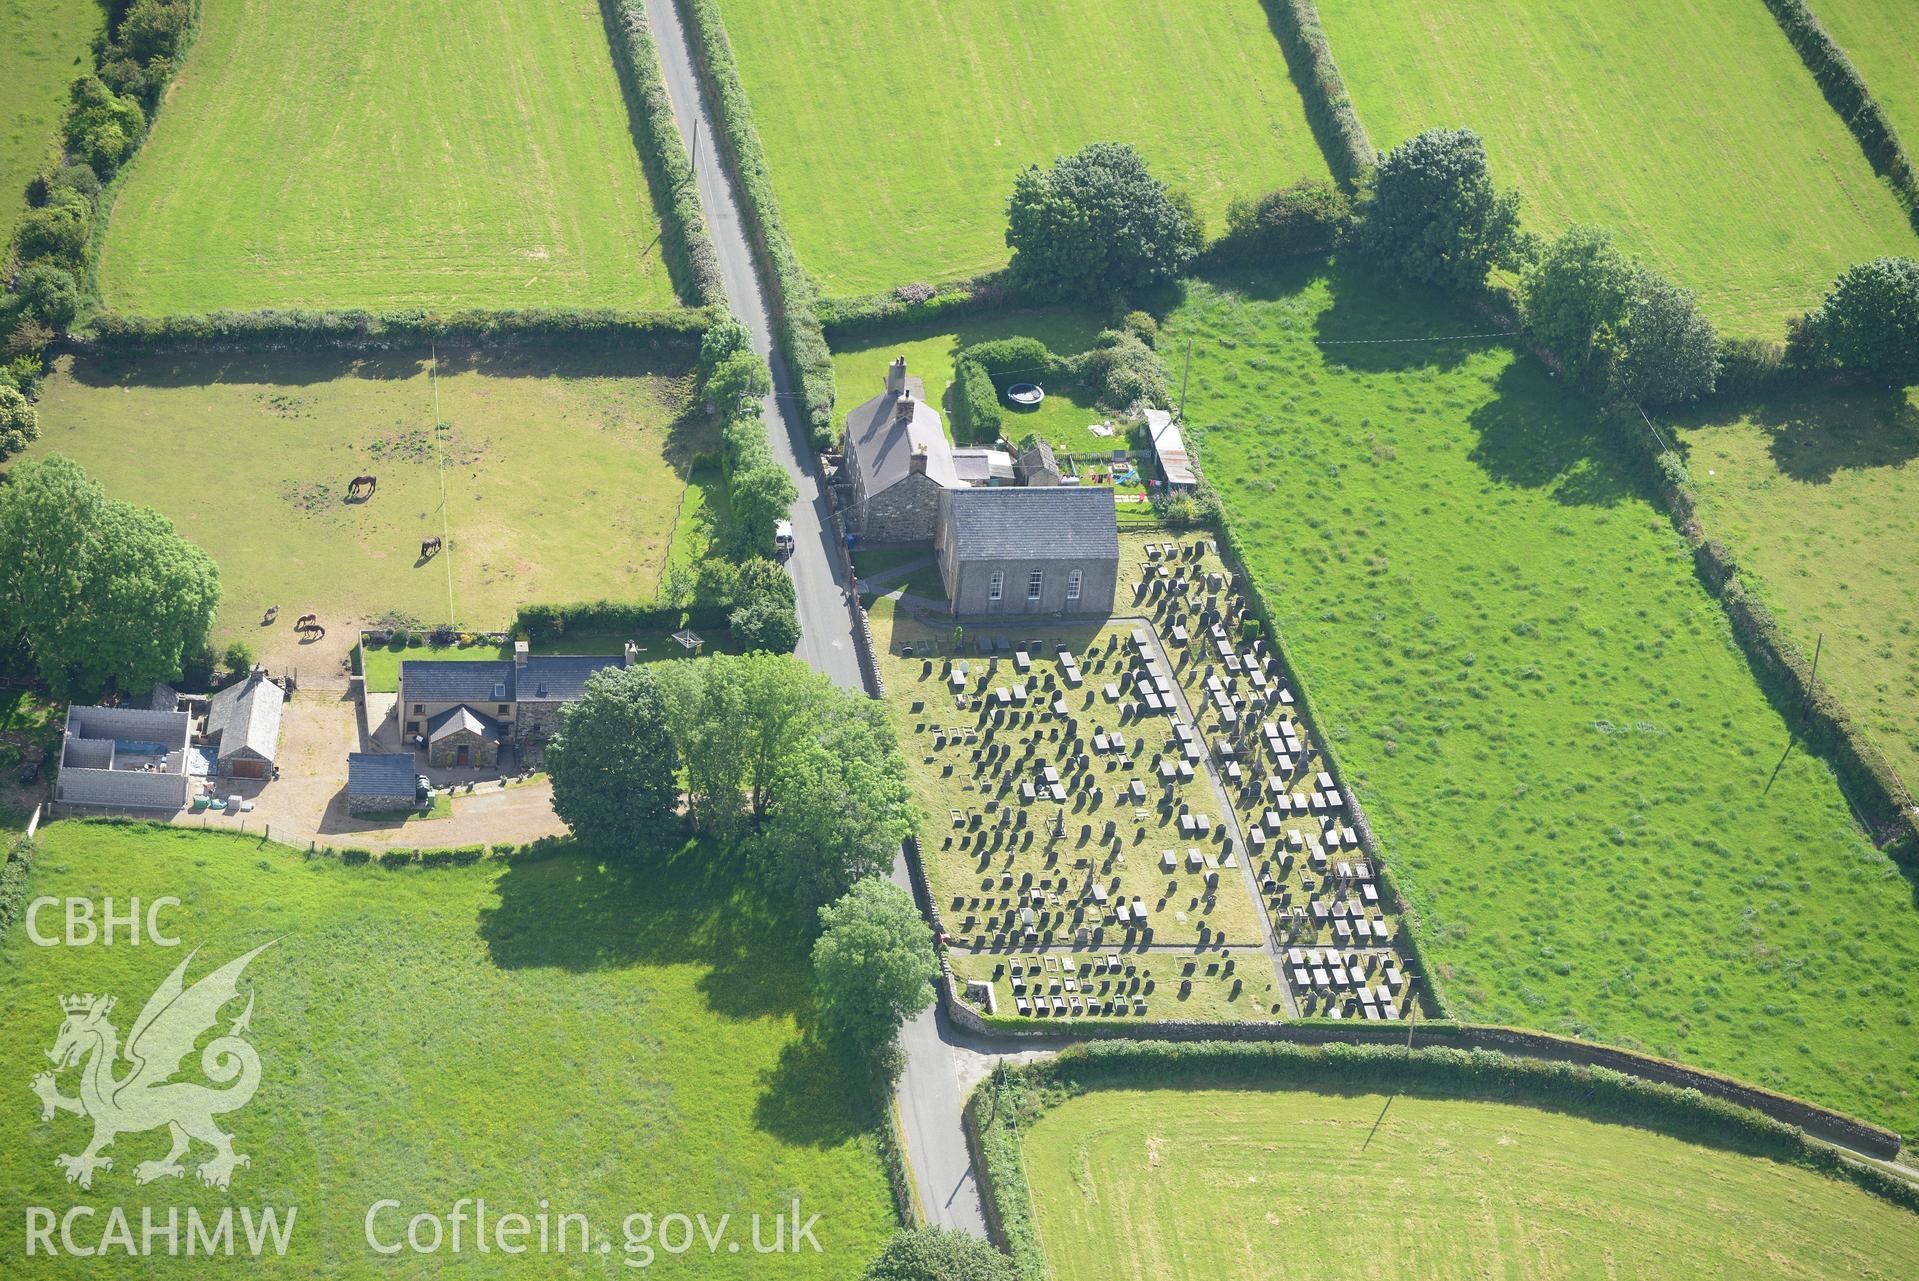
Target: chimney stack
{"type": "Point", "coordinates": [896, 374]}
{"type": "Point", "coordinates": [903, 407]}
{"type": "Point", "coordinates": [917, 464]}
{"type": "Point", "coordinates": [519, 655]}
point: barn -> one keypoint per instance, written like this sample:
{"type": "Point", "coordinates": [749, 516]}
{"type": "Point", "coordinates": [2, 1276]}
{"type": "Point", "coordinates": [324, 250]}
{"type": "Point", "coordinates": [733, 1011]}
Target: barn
{"type": "Point", "coordinates": [243, 727]}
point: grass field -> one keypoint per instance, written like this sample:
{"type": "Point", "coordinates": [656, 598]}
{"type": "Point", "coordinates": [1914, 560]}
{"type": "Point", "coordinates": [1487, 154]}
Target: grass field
{"type": "Point", "coordinates": [424, 154]}
{"type": "Point", "coordinates": [1585, 796]}
{"type": "Point", "coordinates": [1688, 127]}
{"type": "Point", "coordinates": [1877, 36]}
{"type": "Point", "coordinates": [562, 474]}
{"type": "Point", "coordinates": [1217, 1184]}
{"type": "Point", "coordinates": [893, 140]}
{"type": "Point", "coordinates": [561, 1033]}
{"type": "Point", "coordinates": [43, 49]}
{"type": "Point", "coordinates": [1818, 496]}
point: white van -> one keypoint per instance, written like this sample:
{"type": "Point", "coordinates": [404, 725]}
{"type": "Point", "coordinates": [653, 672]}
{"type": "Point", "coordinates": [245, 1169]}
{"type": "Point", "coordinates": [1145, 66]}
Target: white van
{"type": "Point", "coordinates": [782, 539]}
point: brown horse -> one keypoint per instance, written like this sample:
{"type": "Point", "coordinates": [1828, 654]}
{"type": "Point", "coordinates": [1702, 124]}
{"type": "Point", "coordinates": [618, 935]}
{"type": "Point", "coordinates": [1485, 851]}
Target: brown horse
{"type": "Point", "coordinates": [429, 547]}
{"type": "Point", "coordinates": [368, 483]}
{"type": "Point", "coordinates": [307, 622]}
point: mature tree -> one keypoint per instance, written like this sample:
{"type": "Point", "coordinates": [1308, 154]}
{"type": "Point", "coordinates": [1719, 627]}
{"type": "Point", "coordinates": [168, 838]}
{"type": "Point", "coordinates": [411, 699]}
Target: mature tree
{"type": "Point", "coordinates": [103, 127]}
{"type": "Point", "coordinates": [1434, 215]}
{"type": "Point", "coordinates": [840, 808]}
{"type": "Point", "coordinates": [106, 593]}
{"type": "Point", "coordinates": [939, 1254]}
{"type": "Point", "coordinates": [873, 965]}
{"type": "Point", "coordinates": [49, 294]}
{"type": "Point", "coordinates": [1671, 353]}
{"type": "Point", "coordinates": [55, 233]}
{"type": "Point", "coordinates": [725, 337]}
{"type": "Point", "coordinates": [811, 772]}
{"type": "Point", "coordinates": [613, 761]}
{"type": "Point", "coordinates": [1096, 220]}
{"type": "Point", "coordinates": [1869, 321]}
{"type": "Point", "coordinates": [762, 625]}
{"type": "Point", "coordinates": [762, 494]}
{"type": "Point", "coordinates": [1576, 298]}
{"type": "Point", "coordinates": [19, 423]}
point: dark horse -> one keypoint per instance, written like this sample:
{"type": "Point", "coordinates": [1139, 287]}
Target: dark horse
{"type": "Point", "coordinates": [429, 546]}
{"type": "Point", "coordinates": [369, 483]}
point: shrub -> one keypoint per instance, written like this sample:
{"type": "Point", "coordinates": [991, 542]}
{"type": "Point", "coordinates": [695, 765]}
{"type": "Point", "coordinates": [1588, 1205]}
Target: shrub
{"type": "Point", "coordinates": [1748, 365]}
{"type": "Point", "coordinates": [103, 127]}
{"type": "Point", "coordinates": [56, 234]}
{"type": "Point", "coordinates": [29, 338]}
{"type": "Point", "coordinates": [49, 294]}
{"type": "Point", "coordinates": [239, 658]}
{"type": "Point", "coordinates": [1097, 220]}
{"type": "Point", "coordinates": [1309, 217]}
{"type": "Point", "coordinates": [939, 1254]}
{"type": "Point", "coordinates": [75, 176]}
{"type": "Point", "coordinates": [767, 625]}
{"type": "Point", "coordinates": [1142, 326]}
{"type": "Point", "coordinates": [738, 383]}
{"type": "Point", "coordinates": [976, 408]}
{"type": "Point", "coordinates": [396, 858]}
{"type": "Point", "coordinates": [19, 422]}
{"type": "Point", "coordinates": [356, 855]}
{"type": "Point", "coordinates": [1433, 213]}
{"type": "Point", "coordinates": [725, 337]}
{"type": "Point", "coordinates": [1124, 372]}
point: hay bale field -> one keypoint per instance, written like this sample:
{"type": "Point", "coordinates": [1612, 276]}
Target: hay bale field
{"type": "Point", "coordinates": [331, 154]}
{"type": "Point", "coordinates": [1218, 1184]}
{"type": "Point", "coordinates": [1688, 127]}
{"type": "Point", "coordinates": [893, 137]}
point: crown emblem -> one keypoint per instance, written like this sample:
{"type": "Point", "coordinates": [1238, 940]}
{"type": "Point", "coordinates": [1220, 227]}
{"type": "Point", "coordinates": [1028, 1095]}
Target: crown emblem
{"type": "Point", "coordinates": [77, 1004]}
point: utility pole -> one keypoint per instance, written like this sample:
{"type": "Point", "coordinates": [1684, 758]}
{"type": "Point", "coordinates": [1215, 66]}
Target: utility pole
{"type": "Point", "coordinates": [1183, 375]}
{"type": "Point", "coordinates": [696, 143]}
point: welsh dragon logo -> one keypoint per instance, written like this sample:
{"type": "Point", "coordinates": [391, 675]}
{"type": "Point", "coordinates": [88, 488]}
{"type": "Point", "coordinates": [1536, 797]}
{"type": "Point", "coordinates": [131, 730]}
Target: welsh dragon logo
{"type": "Point", "coordinates": [146, 1097]}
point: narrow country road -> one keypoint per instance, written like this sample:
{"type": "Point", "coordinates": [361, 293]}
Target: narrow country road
{"type": "Point", "coordinates": [930, 1093]}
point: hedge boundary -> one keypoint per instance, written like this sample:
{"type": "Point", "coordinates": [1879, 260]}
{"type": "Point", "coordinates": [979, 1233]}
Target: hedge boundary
{"type": "Point", "coordinates": [864, 315]}
{"type": "Point", "coordinates": [1880, 799]}
{"type": "Point", "coordinates": [1329, 108]}
{"type": "Point", "coordinates": [662, 151]}
{"type": "Point", "coordinates": [1017, 1096]}
{"type": "Point", "coordinates": [354, 329]}
{"type": "Point", "coordinates": [549, 622]}
{"type": "Point", "coordinates": [796, 322]}
{"type": "Point", "coordinates": [1847, 93]}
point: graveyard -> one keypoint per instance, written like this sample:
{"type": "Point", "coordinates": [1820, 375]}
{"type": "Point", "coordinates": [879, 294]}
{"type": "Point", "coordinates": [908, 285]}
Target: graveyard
{"type": "Point", "coordinates": [1137, 820]}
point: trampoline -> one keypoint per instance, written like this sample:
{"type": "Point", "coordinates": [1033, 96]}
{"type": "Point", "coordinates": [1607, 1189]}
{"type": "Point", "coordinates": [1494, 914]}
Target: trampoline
{"type": "Point", "coordinates": [1026, 394]}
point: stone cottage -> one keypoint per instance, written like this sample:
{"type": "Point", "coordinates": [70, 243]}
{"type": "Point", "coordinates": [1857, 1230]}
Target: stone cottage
{"type": "Point", "coordinates": [465, 710]}
{"type": "Point", "coordinates": [243, 727]}
{"type": "Point", "coordinates": [380, 782]}
{"type": "Point", "coordinates": [898, 462]}
{"type": "Point", "coordinates": [1053, 550]}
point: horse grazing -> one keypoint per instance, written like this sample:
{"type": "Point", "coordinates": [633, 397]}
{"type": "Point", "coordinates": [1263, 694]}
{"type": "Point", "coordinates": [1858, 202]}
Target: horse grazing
{"type": "Point", "coordinates": [273, 612]}
{"type": "Point", "coordinates": [307, 622]}
{"type": "Point", "coordinates": [429, 547]}
{"type": "Point", "coordinates": [368, 483]}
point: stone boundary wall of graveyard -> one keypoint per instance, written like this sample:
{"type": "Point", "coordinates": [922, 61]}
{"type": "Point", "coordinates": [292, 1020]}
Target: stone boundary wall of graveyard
{"type": "Point", "coordinates": [1685, 1103]}
{"type": "Point", "coordinates": [1383, 954]}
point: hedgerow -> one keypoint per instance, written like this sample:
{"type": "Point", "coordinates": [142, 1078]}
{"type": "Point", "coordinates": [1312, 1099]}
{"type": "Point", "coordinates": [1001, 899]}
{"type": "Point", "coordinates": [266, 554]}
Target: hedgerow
{"type": "Point", "coordinates": [678, 329]}
{"type": "Point", "coordinates": [661, 150]}
{"type": "Point", "coordinates": [1329, 108]}
{"type": "Point", "coordinates": [1846, 91]}
{"type": "Point", "coordinates": [796, 322]}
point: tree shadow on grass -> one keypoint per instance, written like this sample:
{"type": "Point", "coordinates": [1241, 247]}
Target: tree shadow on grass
{"type": "Point", "coordinates": [1533, 435]}
{"type": "Point", "coordinates": [1816, 434]}
{"type": "Point", "coordinates": [816, 1097]}
{"type": "Point", "coordinates": [576, 912]}
{"type": "Point", "coordinates": [1379, 325]}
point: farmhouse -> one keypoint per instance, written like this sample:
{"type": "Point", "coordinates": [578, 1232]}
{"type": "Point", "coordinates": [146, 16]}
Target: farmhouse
{"type": "Point", "coordinates": [125, 757]}
{"type": "Point", "coordinates": [243, 727]}
{"type": "Point", "coordinates": [897, 462]}
{"type": "Point", "coordinates": [1028, 551]}
{"type": "Point", "coordinates": [379, 782]}
{"type": "Point", "coordinates": [465, 711]}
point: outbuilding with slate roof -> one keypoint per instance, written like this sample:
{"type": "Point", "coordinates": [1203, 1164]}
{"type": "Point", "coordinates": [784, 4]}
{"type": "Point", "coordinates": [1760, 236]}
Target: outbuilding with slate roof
{"type": "Point", "coordinates": [380, 782]}
{"type": "Point", "coordinates": [1029, 551]}
{"type": "Point", "coordinates": [243, 725]}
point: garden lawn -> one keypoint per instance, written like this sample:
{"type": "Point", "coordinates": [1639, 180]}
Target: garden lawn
{"type": "Point", "coordinates": [1216, 1184]}
{"type": "Point", "coordinates": [43, 49]}
{"type": "Point", "coordinates": [563, 473]}
{"type": "Point", "coordinates": [1575, 778]}
{"type": "Point", "coordinates": [1690, 128]}
{"type": "Point", "coordinates": [893, 137]}
{"type": "Point", "coordinates": [1877, 36]}
{"type": "Point", "coordinates": [430, 154]}
{"type": "Point", "coordinates": [1818, 498]}
{"type": "Point", "coordinates": [594, 1039]}
{"type": "Point", "coordinates": [859, 371]}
